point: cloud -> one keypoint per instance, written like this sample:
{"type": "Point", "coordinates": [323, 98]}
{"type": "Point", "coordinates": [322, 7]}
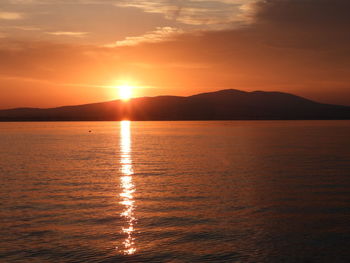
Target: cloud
{"type": "Point", "coordinates": [26, 28]}
{"type": "Point", "coordinates": [67, 33]}
{"type": "Point", "coordinates": [23, 28]}
{"type": "Point", "coordinates": [158, 35]}
{"type": "Point", "coordinates": [312, 24]}
{"type": "Point", "coordinates": [10, 15]}
{"type": "Point", "coordinates": [315, 13]}
{"type": "Point", "coordinates": [192, 12]}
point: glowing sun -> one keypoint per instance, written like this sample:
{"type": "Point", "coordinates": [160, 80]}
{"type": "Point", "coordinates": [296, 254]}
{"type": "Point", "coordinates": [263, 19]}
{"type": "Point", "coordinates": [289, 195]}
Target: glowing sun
{"type": "Point", "coordinates": [125, 92]}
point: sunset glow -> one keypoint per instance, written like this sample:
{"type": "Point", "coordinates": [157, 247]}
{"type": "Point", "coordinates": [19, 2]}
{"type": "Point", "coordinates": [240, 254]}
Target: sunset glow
{"type": "Point", "coordinates": [125, 92]}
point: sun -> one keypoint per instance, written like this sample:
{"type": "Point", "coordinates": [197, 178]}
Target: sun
{"type": "Point", "coordinates": [125, 92]}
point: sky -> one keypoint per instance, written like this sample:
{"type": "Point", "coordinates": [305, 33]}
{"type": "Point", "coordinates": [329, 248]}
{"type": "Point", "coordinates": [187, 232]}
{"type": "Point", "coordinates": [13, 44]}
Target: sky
{"type": "Point", "coordinates": [68, 52]}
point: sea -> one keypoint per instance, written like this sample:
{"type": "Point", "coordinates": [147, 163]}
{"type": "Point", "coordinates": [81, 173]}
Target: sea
{"type": "Point", "coordinates": [216, 191]}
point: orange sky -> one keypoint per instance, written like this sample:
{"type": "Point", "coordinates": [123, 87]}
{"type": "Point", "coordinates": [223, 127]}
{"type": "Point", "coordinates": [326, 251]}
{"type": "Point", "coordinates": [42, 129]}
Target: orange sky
{"type": "Point", "coordinates": [56, 52]}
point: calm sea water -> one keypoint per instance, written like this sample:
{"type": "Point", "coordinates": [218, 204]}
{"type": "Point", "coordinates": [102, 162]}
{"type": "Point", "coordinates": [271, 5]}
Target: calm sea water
{"type": "Point", "coordinates": [175, 191]}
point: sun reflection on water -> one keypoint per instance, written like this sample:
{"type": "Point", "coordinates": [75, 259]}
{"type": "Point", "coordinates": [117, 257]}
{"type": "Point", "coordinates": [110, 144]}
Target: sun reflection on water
{"type": "Point", "coordinates": [128, 188]}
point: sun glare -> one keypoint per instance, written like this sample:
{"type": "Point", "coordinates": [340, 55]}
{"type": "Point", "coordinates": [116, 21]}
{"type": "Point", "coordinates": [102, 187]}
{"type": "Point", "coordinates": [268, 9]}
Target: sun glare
{"type": "Point", "coordinates": [125, 92]}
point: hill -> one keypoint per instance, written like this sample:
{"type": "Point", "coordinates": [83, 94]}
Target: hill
{"type": "Point", "coordinates": [220, 105]}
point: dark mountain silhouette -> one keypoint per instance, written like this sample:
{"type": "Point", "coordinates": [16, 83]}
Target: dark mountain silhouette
{"type": "Point", "coordinates": [221, 105]}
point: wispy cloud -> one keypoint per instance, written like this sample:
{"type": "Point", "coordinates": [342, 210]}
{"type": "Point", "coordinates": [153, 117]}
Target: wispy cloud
{"type": "Point", "coordinates": [160, 34]}
{"type": "Point", "coordinates": [68, 33]}
{"type": "Point", "coordinates": [10, 15]}
{"type": "Point", "coordinates": [53, 83]}
{"type": "Point", "coordinates": [26, 28]}
{"type": "Point", "coordinates": [192, 12]}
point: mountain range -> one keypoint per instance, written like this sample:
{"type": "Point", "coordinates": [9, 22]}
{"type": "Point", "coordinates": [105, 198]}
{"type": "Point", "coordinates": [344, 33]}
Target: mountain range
{"type": "Point", "coordinates": [227, 104]}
